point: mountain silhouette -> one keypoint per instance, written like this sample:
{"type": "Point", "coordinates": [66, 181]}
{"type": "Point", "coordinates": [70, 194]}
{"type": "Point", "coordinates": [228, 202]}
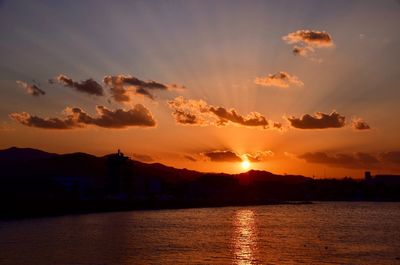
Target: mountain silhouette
{"type": "Point", "coordinates": [35, 182]}
{"type": "Point", "coordinates": [15, 153]}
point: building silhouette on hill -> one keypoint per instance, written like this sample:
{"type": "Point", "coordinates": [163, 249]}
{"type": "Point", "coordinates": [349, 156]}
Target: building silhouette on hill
{"type": "Point", "coordinates": [117, 175]}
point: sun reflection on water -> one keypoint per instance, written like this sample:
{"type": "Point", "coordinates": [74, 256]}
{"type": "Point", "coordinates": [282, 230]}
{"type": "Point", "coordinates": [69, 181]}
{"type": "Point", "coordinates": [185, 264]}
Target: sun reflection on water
{"type": "Point", "coordinates": [245, 238]}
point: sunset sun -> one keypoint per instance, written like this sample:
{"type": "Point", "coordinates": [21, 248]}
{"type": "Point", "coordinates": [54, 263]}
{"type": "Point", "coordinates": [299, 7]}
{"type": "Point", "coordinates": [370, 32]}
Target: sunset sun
{"type": "Point", "coordinates": [245, 164]}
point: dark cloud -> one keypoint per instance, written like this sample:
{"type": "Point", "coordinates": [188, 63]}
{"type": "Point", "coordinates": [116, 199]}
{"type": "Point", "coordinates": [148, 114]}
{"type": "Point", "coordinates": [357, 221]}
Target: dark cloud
{"type": "Point", "coordinates": [45, 123]}
{"type": "Point", "coordinates": [223, 156]}
{"type": "Point", "coordinates": [184, 117]}
{"type": "Point", "coordinates": [360, 124]}
{"type": "Point", "coordinates": [119, 118]}
{"type": "Point", "coordinates": [143, 158]}
{"type": "Point", "coordinates": [224, 115]}
{"type": "Point", "coordinates": [198, 112]}
{"type": "Point", "coordinates": [312, 37]}
{"type": "Point", "coordinates": [76, 118]}
{"type": "Point", "coordinates": [120, 84]}
{"type": "Point", "coordinates": [144, 92]}
{"type": "Point", "coordinates": [306, 41]}
{"type": "Point", "coordinates": [33, 90]}
{"type": "Point", "coordinates": [88, 86]}
{"type": "Point", "coordinates": [281, 79]}
{"type": "Point", "coordinates": [318, 121]}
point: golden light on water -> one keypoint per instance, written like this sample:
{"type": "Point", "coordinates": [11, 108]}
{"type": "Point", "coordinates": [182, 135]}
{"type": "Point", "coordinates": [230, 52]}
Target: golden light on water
{"type": "Point", "coordinates": [245, 241]}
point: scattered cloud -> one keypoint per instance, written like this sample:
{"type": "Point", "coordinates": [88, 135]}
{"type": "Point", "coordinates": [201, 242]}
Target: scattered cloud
{"type": "Point", "coordinates": [306, 41]}
{"type": "Point", "coordinates": [277, 125]}
{"type": "Point", "coordinates": [360, 124]}
{"type": "Point", "coordinates": [222, 156]}
{"type": "Point", "coordinates": [77, 118]}
{"type": "Point", "coordinates": [281, 79]}
{"type": "Point", "coordinates": [121, 86]}
{"type": "Point", "coordinates": [139, 115]}
{"type": "Point", "coordinates": [259, 156]}
{"type": "Point", "coordinates": [33, 89]}
{"type": "Point", "coordinates": [231, 156]}
{"type": "Point", "coordinates": [311, 37]}
{"type": "Point", "coordinates": [357, 160]}
{"type": "Point", "coordinates": [88, 86]}
{"type": "Point", "coordinates": [45, 123]}
{"type": "Point", "coordinates": [318, 121]}
{"type": "Point", "coordinates": [225, 116]}
{"type": "Point", "coordinates": [198, 112]}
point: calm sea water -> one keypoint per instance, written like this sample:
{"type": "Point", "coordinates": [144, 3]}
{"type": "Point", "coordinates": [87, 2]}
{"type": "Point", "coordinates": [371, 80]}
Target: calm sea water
{"type": "Point", "coordinates": [321, 233]}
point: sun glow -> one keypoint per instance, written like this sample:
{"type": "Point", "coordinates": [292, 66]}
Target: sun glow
{"type": "Point", "coordinates": [245, 164]}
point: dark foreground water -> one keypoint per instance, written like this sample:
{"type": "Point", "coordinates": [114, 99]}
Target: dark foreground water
{"type": "Point", "coordinates": [321, 233]}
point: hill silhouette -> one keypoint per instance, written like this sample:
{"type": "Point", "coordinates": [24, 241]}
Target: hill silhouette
{"type": "Point", "coordinates": [35, 182]}
{"type": "Point", "coordinates": [15, 153]}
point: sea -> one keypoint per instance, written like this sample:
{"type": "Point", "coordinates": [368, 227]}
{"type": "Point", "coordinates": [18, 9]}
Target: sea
{"type": "Point", "coordinates": [317, 233]}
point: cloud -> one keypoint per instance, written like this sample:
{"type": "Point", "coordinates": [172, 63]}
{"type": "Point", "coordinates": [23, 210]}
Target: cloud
{"type": "Point", "coordinates": [306, 41]}
{"type": "Point", "coordinates": [31, 89]}
{"type": "Point", "coordinates": [318, 121]}
{"type": "Point", "coordinates": [119, 118]}
{"type": "Point", "coordinates": [311, 37]}
{"type": "Point", "coordinates": [143, 158]}
{"type": "Point", "coordinates": [225, 116]}
{"type": "Point", "coordinates": [231, 156]}
{"type": "Point", "coordinates": [357, 160]}
{"type": "Point", "coordinates": [198, 112]}
{"type": "Point", "coordinates": [190, 158]}
{"type": "Point", "coordinates": [122, 85]}
{"type": "Point", "coordinates": [88, 86]}
{"type": "Point", "coordinates": [281, 79]}
{"type": "Point", "coordinates": [303, 51]}
{"type": "Point", "coordinates": [259, 156]}
{"type": "Point", "coordinates": [222, 156]}
{"type": "Point", "coordinates": [45, 123]}
{"type": "Point", "coordinates": [77, 118]}
{"type": "Point", "coordinates": [277, 125]}
{"type": "Point", "coordinates": [360, 124]}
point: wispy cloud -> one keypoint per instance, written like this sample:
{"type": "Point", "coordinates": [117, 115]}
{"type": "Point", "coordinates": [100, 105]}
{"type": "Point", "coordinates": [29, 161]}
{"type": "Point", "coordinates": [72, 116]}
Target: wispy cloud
{"type": "Point", "coordinates": [360, 124]}
{"type": "Point", "coordinates": [33, 89]}
{"type": "Point", "coordinates": [88, 86]}
{"type": "Point", "coordinates": [120, 86]}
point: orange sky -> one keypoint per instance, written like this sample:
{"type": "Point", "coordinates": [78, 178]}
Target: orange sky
{"type": "Point", "coordinates": [206, 85]}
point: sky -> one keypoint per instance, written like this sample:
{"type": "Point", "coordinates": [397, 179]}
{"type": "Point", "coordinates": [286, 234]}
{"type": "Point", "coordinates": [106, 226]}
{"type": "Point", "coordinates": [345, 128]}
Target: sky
{"type": "Point", "coordinates": [291, 87]}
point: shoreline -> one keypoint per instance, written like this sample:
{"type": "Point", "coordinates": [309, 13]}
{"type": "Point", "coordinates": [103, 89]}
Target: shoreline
{"type": "Point", "coordinates": [29, 211]}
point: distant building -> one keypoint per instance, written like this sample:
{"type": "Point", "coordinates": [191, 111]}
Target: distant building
{"type": "Point", "coordinates": [383, 179]}
{"type": "Point", "coordinates": [116, 164]}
